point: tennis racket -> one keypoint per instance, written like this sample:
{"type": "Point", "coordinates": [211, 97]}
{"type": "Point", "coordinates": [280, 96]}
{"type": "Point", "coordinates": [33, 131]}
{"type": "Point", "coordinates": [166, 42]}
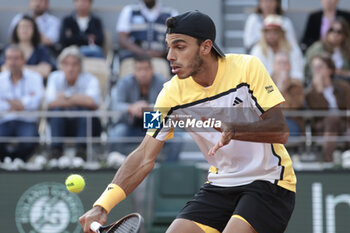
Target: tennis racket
{"type": "Point", "coordinates": [128, 224]}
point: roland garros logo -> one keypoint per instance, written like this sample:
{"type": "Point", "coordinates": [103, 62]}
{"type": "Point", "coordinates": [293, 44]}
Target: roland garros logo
{"type": "Point", "coordinates": [48, 208]}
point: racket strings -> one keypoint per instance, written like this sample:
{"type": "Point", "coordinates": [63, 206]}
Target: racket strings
{"type": "Point", "coordinates": [129, 225]}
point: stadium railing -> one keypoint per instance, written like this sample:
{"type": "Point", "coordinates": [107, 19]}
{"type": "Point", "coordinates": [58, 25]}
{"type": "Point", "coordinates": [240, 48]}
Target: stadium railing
{"type": "Point", "coordinates": [45, 138]}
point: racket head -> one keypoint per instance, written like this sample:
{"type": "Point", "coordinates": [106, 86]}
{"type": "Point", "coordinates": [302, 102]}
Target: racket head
{"type": "Point", "coordinates": [130, 223]}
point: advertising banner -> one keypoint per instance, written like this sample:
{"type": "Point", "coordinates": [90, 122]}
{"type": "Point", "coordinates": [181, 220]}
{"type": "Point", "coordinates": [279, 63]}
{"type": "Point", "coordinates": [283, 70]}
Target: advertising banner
{"type": "Point", "coordinates": [38, 202]}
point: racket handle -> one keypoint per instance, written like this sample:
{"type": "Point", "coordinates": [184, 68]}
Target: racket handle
{"type": "Point", "coordinates": [95, 226]}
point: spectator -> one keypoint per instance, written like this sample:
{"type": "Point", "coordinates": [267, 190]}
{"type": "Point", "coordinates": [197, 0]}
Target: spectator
{"type": "Point", "coordinates": [48, 24]}
{"type": "Point", "coordinates": [141, 30]}
{"type": "Point", "coordinates": [20, 90]}
{"type": "Point", "coordinates": [292, 90]}
{"type": "Point", "coordinates": [274, 41]}
{"type": "Point", "coordinates": [255, 22]}
{"type": "Point", "coordinates": [133, 95]}
{"type": "Point", "coordinates": [70, 89]}
{"type": "Point", "coordinates": [337, 44]}
{"type": "Point", "coordinates": [83, 29]}
{"type": "Point", "coordinates": [319, 22]}
{"type": "Point", "coordinates": [37, 56]}
{"type": "Point", "coordinates": [327, 93]}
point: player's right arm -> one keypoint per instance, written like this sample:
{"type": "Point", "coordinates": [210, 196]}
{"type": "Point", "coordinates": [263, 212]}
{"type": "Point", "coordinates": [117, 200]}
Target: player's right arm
{"type": "Point", "coordinates": [138, 164]}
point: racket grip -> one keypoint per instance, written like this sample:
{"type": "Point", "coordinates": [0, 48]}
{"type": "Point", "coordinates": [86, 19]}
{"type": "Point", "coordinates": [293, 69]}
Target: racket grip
{"type": "Point", "coordinates": [95, 226]}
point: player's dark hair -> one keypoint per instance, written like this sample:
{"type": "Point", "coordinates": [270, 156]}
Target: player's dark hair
{"type": "Point", "coordinates": [171, 22]}
{"type": "Point", "coordinates": [278, 11]}
{"type": "Point", "coordinates": [36, 34]}
{"type": "Point", "coordinates": [212, 51]}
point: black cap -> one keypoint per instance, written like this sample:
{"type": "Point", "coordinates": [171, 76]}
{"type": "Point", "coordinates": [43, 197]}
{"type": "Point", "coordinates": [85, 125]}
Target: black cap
{"type": "Point", "coordinates": [195, 24]}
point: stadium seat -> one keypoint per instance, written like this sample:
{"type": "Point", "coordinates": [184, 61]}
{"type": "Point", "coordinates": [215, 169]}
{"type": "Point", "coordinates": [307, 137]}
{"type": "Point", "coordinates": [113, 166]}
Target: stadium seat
{"type": "Point", "coordinates": [100, 69]}
{"type": "Point", "coordinates": [171, 185]}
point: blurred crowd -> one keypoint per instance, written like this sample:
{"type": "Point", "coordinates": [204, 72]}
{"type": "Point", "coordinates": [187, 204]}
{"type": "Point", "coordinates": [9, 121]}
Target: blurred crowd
{"type": "Point", "coordinates": [63, 65]}
{"type": "Point", "coordinates": [312, 74]}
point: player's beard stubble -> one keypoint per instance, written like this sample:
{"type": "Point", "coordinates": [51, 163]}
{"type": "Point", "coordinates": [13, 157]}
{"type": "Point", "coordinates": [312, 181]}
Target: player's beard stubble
{"type": "Point", "coordinates": [195, 66]}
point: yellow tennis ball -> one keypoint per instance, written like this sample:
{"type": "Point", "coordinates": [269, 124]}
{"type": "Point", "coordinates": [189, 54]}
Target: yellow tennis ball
{"type": "Point", "coordinates": [75, 183]}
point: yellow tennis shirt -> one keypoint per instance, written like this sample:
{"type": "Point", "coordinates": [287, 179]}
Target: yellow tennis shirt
{"type": "Point", "coordinates": [241, 92]}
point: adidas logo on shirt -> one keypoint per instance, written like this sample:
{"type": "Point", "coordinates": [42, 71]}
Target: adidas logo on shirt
{"type": "Point", "coordinates": [237, 101]}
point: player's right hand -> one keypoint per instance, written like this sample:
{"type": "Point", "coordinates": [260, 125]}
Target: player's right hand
{"type": "Point", "coordinates": [97, 214]}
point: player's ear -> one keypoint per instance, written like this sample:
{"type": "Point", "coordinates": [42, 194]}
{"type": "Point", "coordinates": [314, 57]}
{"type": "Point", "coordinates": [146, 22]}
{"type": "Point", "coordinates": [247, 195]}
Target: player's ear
{"type": "Point", "coordinates": [206, 47]}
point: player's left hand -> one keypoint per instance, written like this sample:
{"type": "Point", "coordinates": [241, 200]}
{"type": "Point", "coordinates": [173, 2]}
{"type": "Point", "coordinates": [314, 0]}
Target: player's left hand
{"type": "Point", "coordinates": [226, 137]}
{"type": "Point", "coordinates": [227, 133]}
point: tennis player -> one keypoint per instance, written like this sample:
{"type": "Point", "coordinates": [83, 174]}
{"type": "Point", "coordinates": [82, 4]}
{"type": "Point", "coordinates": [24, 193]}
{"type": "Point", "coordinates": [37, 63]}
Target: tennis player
{"type": "Point", "coordinates": [251, 185]}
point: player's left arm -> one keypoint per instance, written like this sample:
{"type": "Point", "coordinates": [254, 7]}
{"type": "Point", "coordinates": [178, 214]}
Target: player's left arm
{"type": "Point", "coordinates": [272, 128]}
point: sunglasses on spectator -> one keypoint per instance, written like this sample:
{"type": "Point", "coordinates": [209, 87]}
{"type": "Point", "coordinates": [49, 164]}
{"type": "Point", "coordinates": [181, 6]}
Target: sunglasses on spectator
{"type": "Point", "coordinates": [338, 31]}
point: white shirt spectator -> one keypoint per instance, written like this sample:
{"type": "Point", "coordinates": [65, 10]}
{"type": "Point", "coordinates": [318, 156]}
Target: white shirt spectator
{"type": "Point", "coordinates": [29, 90]}
{"type": "Point", "coordinates": [48, 25]}
{"type": "Point", "coordinates": [254, 24]}
{"type": "Point", "coordinates": [86, 84]}
{"type": "Point", "coordinates": [328, 94]}
{"type": "Point", "coordinates": [295, 56]}
{"type": "Point", "coordinates": [123, 24]}
{"type": "Point", "coordinates": [337, 57]}
{"type": "Point", "coordinates": [83, 23]}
